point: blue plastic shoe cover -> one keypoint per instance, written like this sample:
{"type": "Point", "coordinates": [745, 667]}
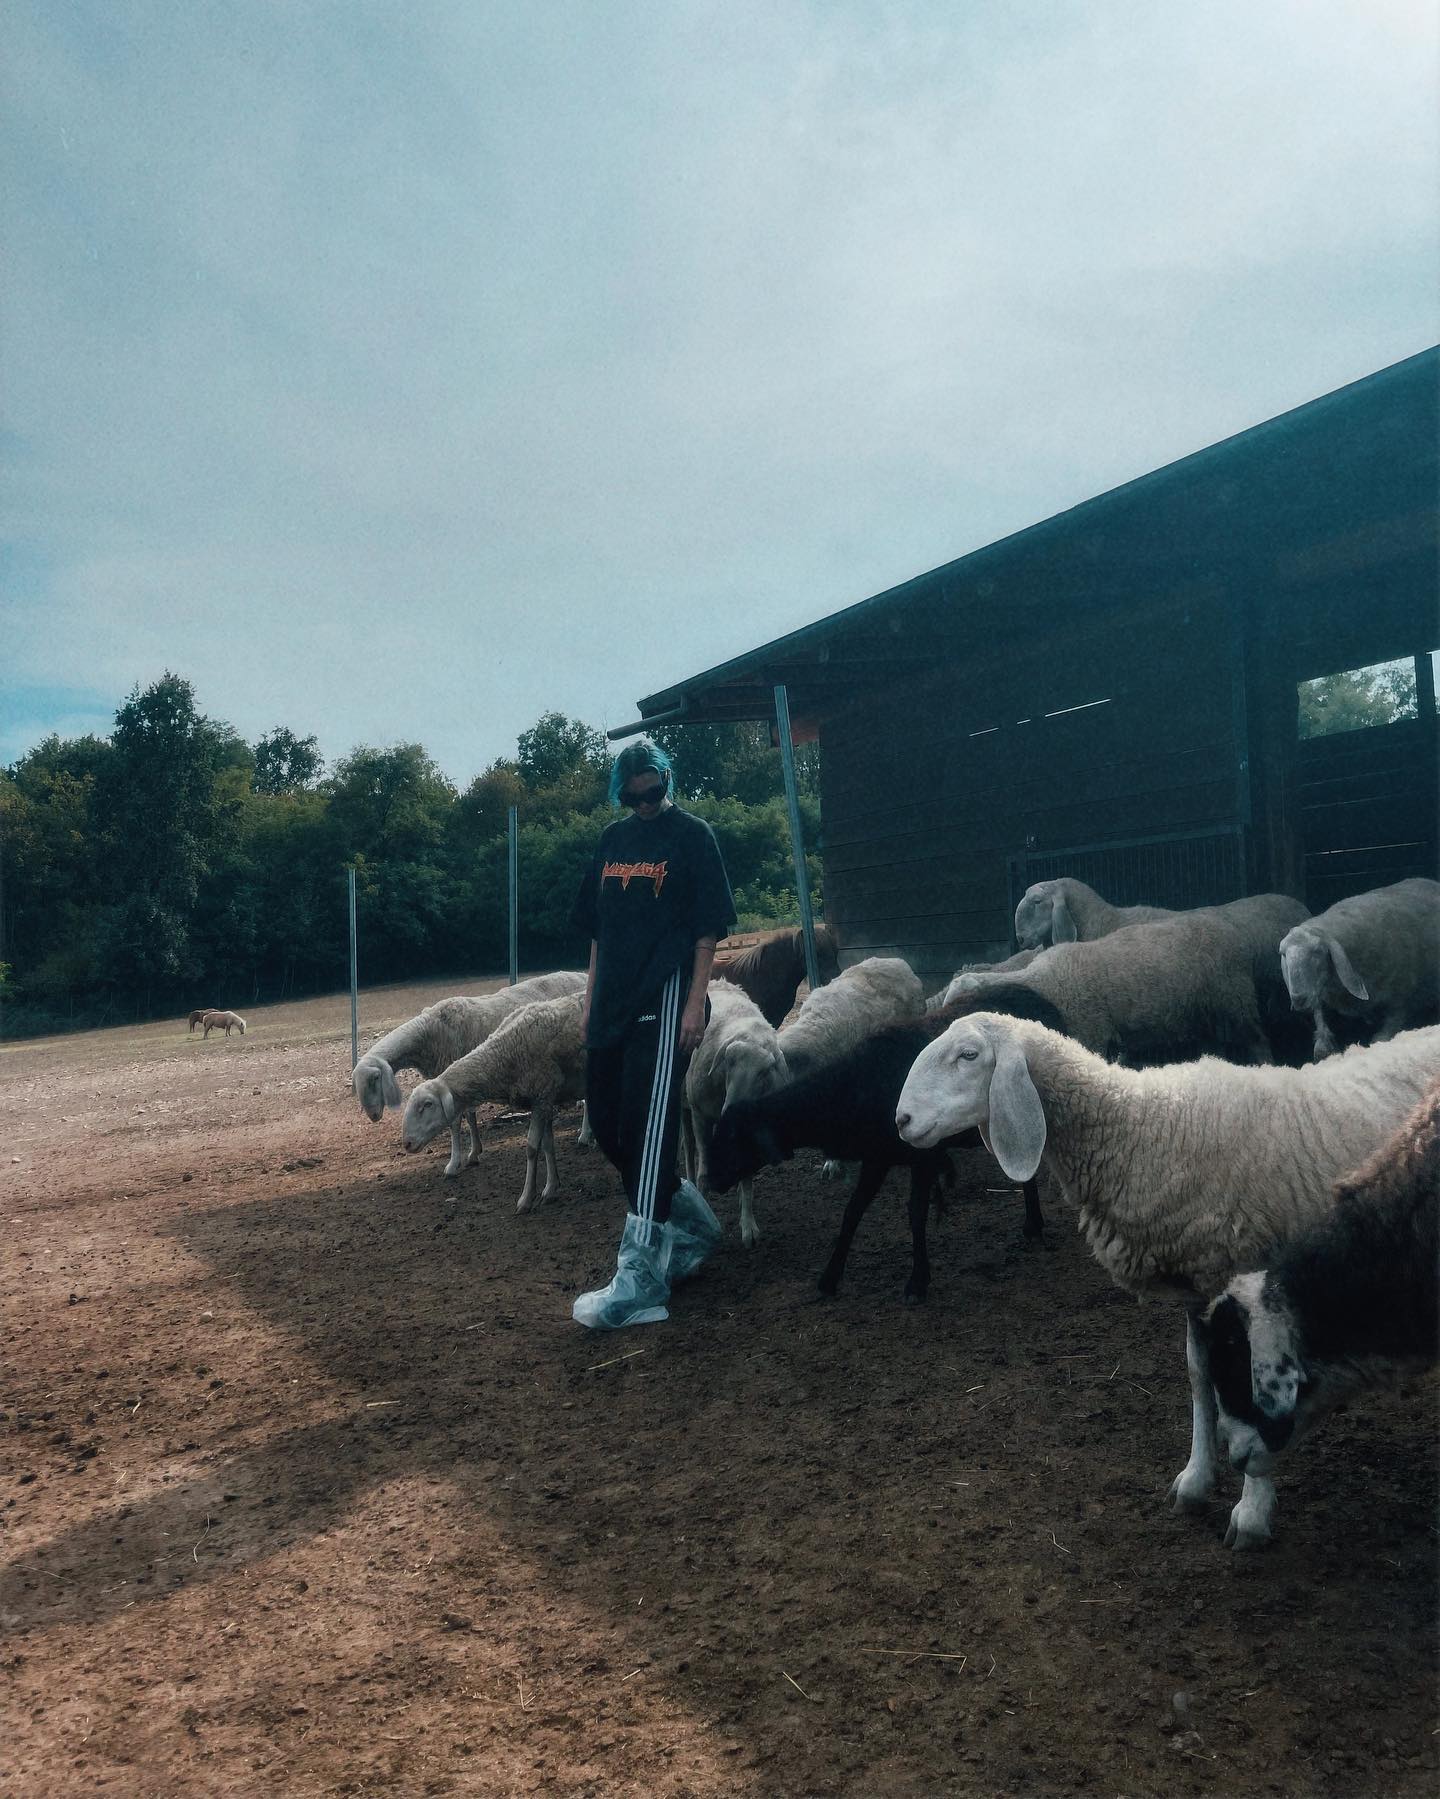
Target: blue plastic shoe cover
{"type": "Point", "coordinates": [641, 1286]}
{"type": "Point", "coordinates": [696, 1231]}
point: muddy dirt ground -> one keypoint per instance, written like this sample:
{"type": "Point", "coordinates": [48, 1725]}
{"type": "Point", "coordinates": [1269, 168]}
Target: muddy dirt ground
{"type": "Point", "coordinates": [310, 1485]}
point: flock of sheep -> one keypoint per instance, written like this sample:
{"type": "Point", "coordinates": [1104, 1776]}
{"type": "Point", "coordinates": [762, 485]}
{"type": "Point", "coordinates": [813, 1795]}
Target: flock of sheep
{"type": "Point", "coordinates": [1179, 1074]}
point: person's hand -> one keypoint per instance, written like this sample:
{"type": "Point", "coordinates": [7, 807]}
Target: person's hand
{"type": "Point", "coordinates": [692, 1027]}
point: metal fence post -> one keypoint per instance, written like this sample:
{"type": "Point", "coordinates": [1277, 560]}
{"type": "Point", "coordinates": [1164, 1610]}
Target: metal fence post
{"type": "Point", "coordinates": [514, 833]}
{"type": "Point", "coordinates": [797, 842]}
{"type": "Point", "coordinates": [354, 978]}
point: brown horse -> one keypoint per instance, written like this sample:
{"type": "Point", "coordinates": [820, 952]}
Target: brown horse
{"type": "Point", "coordinates": [771, 969]}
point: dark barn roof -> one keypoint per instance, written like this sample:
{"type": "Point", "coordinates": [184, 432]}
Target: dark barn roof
{"type": "Point", "coordinates": [1326, 497]}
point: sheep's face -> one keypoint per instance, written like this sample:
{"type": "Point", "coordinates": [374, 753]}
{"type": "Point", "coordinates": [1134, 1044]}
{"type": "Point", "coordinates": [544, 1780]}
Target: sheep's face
{"type": "Point", "coordinates": [740, 1145]}
{"type": "Point", "coordinates": [368, 1083]}
{"type": "Point", "coordinates": [1032, 915]}
{"type": "Point", "coordinates": [1263, 1401]}
{"type": "Point", "coordinates": [429, 1111]}
{"type": "Point", "coordinates": [948, 1087]}
{"type": "Point", "coordinates": [752, 1070]}
{"type": "Point", "coordinates": [1305, 964]}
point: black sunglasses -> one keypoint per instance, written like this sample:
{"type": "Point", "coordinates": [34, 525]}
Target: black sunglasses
{"type": "Point", "coordinates": [651, 796]}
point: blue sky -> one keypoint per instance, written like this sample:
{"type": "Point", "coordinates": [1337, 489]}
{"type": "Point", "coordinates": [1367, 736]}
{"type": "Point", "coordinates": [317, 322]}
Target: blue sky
{"type": "Point", "coordinates": [402, 371]}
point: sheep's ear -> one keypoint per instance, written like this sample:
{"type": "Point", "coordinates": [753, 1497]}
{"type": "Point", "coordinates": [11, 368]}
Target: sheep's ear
{"type": "Point", "coordinates": [1350, 977]}
{"type": "Point", "coordinates": [447, 1104]}
{"type": "Point", "coordinates": [389, 1086]}
{"type": "Point", "coordinates": [1017, 1119]}
{"type": "Point", "coordinates": [1062, 925]}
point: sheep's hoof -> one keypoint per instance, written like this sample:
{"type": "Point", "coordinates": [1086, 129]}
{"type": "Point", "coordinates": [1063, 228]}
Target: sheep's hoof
{"type": "Point", "coordinates": [751, 1236]}
{"type": "Point", "coordinates": [828, 1285]}
{"type": "Point", "coordinates": [914, 1298]}
{"type": "Point", "coordinates": [452, 1169]}
{"type": "Point", "coordinates": [1033, 1233]}
{"type": "Point", "coordinates": [1189, 1491]}
{"type": "Point", "coordinates": [1238, 1537]}
{"type": "Point", "coordinates": [523, 1203]}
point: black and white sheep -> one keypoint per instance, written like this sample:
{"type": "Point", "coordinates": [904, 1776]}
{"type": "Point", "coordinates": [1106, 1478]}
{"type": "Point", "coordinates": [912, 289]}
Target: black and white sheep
{"type": "Point", "coordinates": [1372, 961]}
{"type": "Point", "coordinates": [534, 1060]}
{"type": "Point", "coordinates": [440, 1035]}
{"type": "Point", "coordinates": [1184, 1176]}
{"type": "Point", "coordinates": [738, 1058]}
{"type": "Point", "coordinates": [1193, 983]}
{"type": "Point", "coordinates": [861, 999]}
{"type": "Point", "coordinates": [1352, 1301]}
{"type": "Point", "coordinates": [1067, 911]}
{"type": "Point", "coordinates": [847, 1108]}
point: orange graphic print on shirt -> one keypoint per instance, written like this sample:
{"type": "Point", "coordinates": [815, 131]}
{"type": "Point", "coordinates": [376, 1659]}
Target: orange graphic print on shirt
{"type": "Point", "coordinates": [625, 872]}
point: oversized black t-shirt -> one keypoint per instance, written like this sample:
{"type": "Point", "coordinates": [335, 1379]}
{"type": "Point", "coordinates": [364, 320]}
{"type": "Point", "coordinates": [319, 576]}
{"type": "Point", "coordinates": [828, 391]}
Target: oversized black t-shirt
{"type": "Point", "coordinates": [654, 888]}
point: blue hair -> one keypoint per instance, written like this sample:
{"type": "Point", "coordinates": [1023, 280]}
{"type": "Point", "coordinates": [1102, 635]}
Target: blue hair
{"type": "Point", "coordinates": [634, 759]}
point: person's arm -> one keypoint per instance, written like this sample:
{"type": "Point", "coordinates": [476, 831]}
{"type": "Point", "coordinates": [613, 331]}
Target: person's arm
{"type": "Point", "coordinates": [692, 1019]}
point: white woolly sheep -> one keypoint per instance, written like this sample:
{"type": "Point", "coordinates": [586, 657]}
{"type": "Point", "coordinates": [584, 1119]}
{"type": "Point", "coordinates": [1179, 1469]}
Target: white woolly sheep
{"type": "Point", "coordinates": [535, 1060]}
{"type": "Point", "coordinates": [440, 1035]}
{"type": "Point", "coordinates": [226, 1021]}
{"type": "Point", "coordinates": [1184, 1176]}
{"type": "Point", "coordinates": [880, 990]}
{"type": "Point", "coordinates": [1374, 957]}
{"type": "Point", "coordinates": [1352, 1301]}
{"type": "Point", "coordinates": [1067, 911]}
{"type": "Point", "coordinates": [739, 1057]}
{"type": "Point", "coordinates": [1164, 991]}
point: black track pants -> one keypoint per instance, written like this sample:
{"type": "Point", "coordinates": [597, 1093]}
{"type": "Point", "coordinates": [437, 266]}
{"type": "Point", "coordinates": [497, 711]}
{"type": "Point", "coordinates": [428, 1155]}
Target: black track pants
{"type": "Point", "coordinates": [633, 1090]}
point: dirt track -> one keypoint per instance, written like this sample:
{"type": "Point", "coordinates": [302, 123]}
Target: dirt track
{"type": "Point", "coordinates": [311, 1486]}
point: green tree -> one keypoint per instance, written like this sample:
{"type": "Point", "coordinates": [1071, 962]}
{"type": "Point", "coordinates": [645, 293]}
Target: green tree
{"type": "Point", "coordinates": [733, 761]}
{"type": "Point", "coordinates": [555, 748]}
{"type": "Point", "coordinates": [387, 803]}
{"type": "Point", "coordinates": [285, 763]}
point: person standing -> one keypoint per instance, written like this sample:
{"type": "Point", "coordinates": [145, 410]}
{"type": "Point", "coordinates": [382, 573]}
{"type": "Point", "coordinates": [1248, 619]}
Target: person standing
{"type": "Point", "coordinates": [653, 902]}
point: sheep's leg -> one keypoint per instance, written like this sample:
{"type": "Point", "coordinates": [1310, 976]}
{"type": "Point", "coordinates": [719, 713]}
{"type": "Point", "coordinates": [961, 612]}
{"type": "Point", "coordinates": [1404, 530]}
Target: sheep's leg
{"type": "Point", "coordinates": [1324, 1037]}
{"type": "Point", "coordinates": [922, 1180]}
{"type": "Point", "coordinates": [872, 1176]}
{"type": "Point", "coordinates": [532, 1154]}
{"type": "Point", "coordinates": [1195, 1482]}
{"type": "Point", "coordinates": [749, 1229]}
{"type": "Point", "coordinates": [689, 1159]}
{"type": "Point", "coordinates": [1034, 1225]}
{"type": "Point", "coordinates": [457, 1151]}
{"type": "Point", "coordinates": [586, 1137]}
{"type": "Point", "coordinates": [547, 1149]}
{"type": "Point", "coordinates": [476, 1146]}
{"type": "Point", "coordinates": [1251, 1521]}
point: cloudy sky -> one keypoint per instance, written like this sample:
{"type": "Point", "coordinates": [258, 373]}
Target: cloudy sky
{"type": "Point", "coordinates": [403, 369]}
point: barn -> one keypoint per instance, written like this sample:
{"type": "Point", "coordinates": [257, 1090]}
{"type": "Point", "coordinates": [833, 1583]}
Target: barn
{"type": "Point", "coordinates": [1138, 691]}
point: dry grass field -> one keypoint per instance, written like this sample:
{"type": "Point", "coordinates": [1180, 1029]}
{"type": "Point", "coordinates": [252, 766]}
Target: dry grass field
{"type": "Point", "coordinates": [310, 1485]}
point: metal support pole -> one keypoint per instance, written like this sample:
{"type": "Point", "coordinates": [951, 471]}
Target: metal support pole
{"type": "Point", "coordinates": [514, 896]}
{"type": "Point", "coordinates": [354, 979]}
{"type": "Point", "coordinates": [797, 842]}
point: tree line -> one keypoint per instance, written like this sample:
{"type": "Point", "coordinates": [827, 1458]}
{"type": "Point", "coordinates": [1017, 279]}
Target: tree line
{"type": "Point", "coordinates": [174, 864]}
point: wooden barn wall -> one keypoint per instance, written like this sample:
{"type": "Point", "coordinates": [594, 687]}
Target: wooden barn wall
{"type": "Point", "coordinates": [1122, 724]}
